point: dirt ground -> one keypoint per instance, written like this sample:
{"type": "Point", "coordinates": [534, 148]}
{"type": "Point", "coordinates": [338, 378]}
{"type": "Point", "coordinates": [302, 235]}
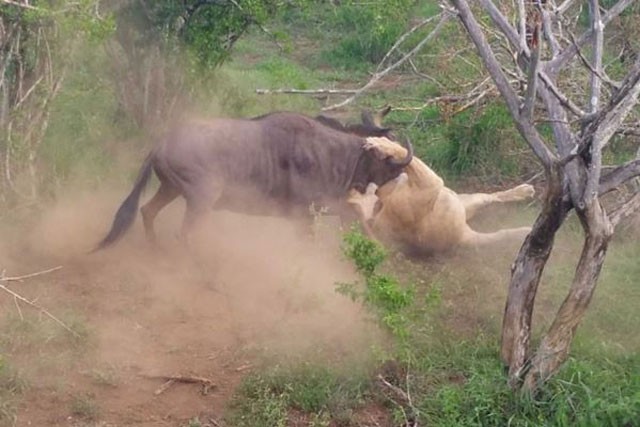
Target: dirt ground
{"type": "Point", "coordinates": [249, 289]}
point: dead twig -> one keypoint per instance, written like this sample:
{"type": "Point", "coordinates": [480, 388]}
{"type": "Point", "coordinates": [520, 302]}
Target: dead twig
{"type": "Point", "coordinates": [444, 17]}
{"type": "Point", "coordinates": [402, 399]}
{"type": "Point", "coordinates": [18, 4]}
{"type": "Point", "coordinates": [307, 91]}
{"type": "Point", "coordinates": [206, 383]}
{"type": "Point", "coordinates": [29, 276]}
{"type": "Point", "coordinates": [19, 297]}
{"type": "Point", "coordinates": [244, 367]}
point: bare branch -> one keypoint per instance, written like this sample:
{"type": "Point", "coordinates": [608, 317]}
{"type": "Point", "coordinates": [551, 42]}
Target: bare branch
{"type": "Point", "coordinates": [206, 383]}
{"type": "Point", "coordinates": [547, 27]}
{"type": "Point", "coordinates": [620, 105]}
{"type": "Point", "coordinates": [423, 75]}
{"type": "Point", "coordinates": [444, 17]}
{"type": "Point", "coordinates": [522, 23]}
{"type": "Point", "coordinates": [626, 209]}
{"type": "Point", "coordinates": [29, 276]}
{"type": "Point", "coordinates": [473, 96]}
{"type": "Point", "coordinates": [631, 130]}
{"type": "Point", "coordinates": [501, 21]}
{"type": "Point", "coordinates": [563, 7]}
{"type": "Point", "coordinates": [262, 27]}
{"type": "Point", "coordinates": [599, 73]}
{"type": "Point", "coordinates": [564, 100]}
{"type": "Point", "coordinates": [39, 307]}
{"type": "Point", "coordinates": [526, 128]}
{"type": "Point", "coordinates": [403, 37]}
{"type": "Point", "coordinates": [570, 51]}
{"type": "Point", "coordinates": [307, 91]}
{"type": "Point", "coordinates": [532, 78]}
{"type": "Point", "coordinates": [18, 4]}
{"type": "Point", "coordinates": [596, 46]}
{"type": "Point", "coordinates": [595, 168]}
{"type": "Point", "coordinates": [619, 176]}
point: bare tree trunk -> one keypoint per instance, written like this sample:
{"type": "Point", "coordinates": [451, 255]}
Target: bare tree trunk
{"type": "Point", "coordinates": [554, 348]}
{"type": "Point", "coordinates": [574, 164]}
{"type": "Point", "coordinates": [525, 277]}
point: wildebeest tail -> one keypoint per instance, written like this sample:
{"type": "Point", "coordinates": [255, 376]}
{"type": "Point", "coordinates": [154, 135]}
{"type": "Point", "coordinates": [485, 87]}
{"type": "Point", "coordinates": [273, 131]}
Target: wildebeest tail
{"type": "Point", "coordinates": [127, 211]}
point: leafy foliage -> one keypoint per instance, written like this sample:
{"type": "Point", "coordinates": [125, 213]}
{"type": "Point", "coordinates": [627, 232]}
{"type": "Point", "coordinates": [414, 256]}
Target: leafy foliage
{"type": "Point", "coordinates": [208, 29]}
{"type": "Point", "coordinates": [382, 293]}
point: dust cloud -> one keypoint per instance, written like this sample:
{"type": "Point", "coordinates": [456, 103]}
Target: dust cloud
{"type": "Point", "coordinates": [247, 286]}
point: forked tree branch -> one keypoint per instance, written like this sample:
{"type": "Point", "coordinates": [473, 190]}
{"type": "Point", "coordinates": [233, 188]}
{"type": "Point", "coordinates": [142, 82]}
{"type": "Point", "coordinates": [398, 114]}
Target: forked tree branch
{"type": "Point", "coordinates": [526, 128]}
{"type": "Point", "coordinates": [557, 63]}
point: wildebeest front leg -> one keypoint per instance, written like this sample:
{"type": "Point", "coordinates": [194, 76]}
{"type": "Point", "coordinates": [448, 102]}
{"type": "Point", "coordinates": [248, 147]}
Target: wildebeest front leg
{"type": "Point", "coordinates": [165, 195]}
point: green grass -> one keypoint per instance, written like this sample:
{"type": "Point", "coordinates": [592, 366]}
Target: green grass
{"type": "Point", "coordinates": [85, 407]}
{"type": "Point", "coordinates": [12, 384]}
{"type": "Point", "coordinates": [448, 348]}
{"type": "Point", "coordinates": [268, 398]}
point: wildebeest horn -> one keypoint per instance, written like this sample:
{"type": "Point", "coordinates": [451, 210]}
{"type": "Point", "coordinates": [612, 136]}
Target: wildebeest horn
{"type": "Point", "coordinates": [407, 159]}
{"type": "Point", "coordinates": [375, 120]}
{"type": "Point", "coordinates": [372, 125]}
{"type": "Point", "coordinates": [367, 119]}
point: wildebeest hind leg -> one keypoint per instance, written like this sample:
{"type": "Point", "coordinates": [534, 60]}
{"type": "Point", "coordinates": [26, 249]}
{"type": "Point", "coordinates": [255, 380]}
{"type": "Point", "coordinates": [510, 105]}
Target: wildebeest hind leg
{"type": "Point", "coordinates": [198, 203]}
{"type": "Point", "coordinates": [165, 195]}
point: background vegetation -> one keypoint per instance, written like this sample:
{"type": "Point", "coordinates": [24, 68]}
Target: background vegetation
{"type": "Point", "coordinates": [443, 317]}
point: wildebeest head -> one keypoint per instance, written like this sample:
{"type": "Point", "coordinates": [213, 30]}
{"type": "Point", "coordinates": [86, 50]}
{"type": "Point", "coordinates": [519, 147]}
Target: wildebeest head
{"type": "Point", "coordinates": [378, 167]}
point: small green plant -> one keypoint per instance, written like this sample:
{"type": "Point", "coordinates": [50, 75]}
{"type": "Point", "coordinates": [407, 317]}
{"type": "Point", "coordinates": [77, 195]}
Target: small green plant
{"type": "Point", "coordinates": [105, 377]}
{"type": "Point", "coordinates": [322, 393]}
{"type": "Point", "coordinates": [381, 292]}
{"type": "Point", "coordinates": [260, 402]}
{"type": "Point", "coordinates": [85, 407]}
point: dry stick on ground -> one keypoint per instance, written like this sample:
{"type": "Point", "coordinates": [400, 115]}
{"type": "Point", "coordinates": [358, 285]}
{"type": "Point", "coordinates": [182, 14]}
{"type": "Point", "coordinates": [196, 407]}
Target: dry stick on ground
{"type": "Point", "coordinates": [402, 399]}
{"type": "Point", "coordinates": [206, 383]}
{"type": "Point", "coordinates": [28, 276]}
{"type": "Point", "coordinates": [307, 91]}
{"type": "Point", "coordinates": [378, 75]}
{"type": "Point", "coordinates": [17, 296]}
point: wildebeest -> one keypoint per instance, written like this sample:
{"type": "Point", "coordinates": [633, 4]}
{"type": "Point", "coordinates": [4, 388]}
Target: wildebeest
{"type": "Point", "coordinates": [420, 213]}
{"type": "Point", "coordinates": [371, 124]}
{"type": "Point", "coordinates": [276, 164]}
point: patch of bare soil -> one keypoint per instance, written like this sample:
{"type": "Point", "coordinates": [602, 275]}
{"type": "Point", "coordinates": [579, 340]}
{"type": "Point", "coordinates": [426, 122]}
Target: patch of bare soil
{"type": "Point", "coordinates": [248, 287]}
